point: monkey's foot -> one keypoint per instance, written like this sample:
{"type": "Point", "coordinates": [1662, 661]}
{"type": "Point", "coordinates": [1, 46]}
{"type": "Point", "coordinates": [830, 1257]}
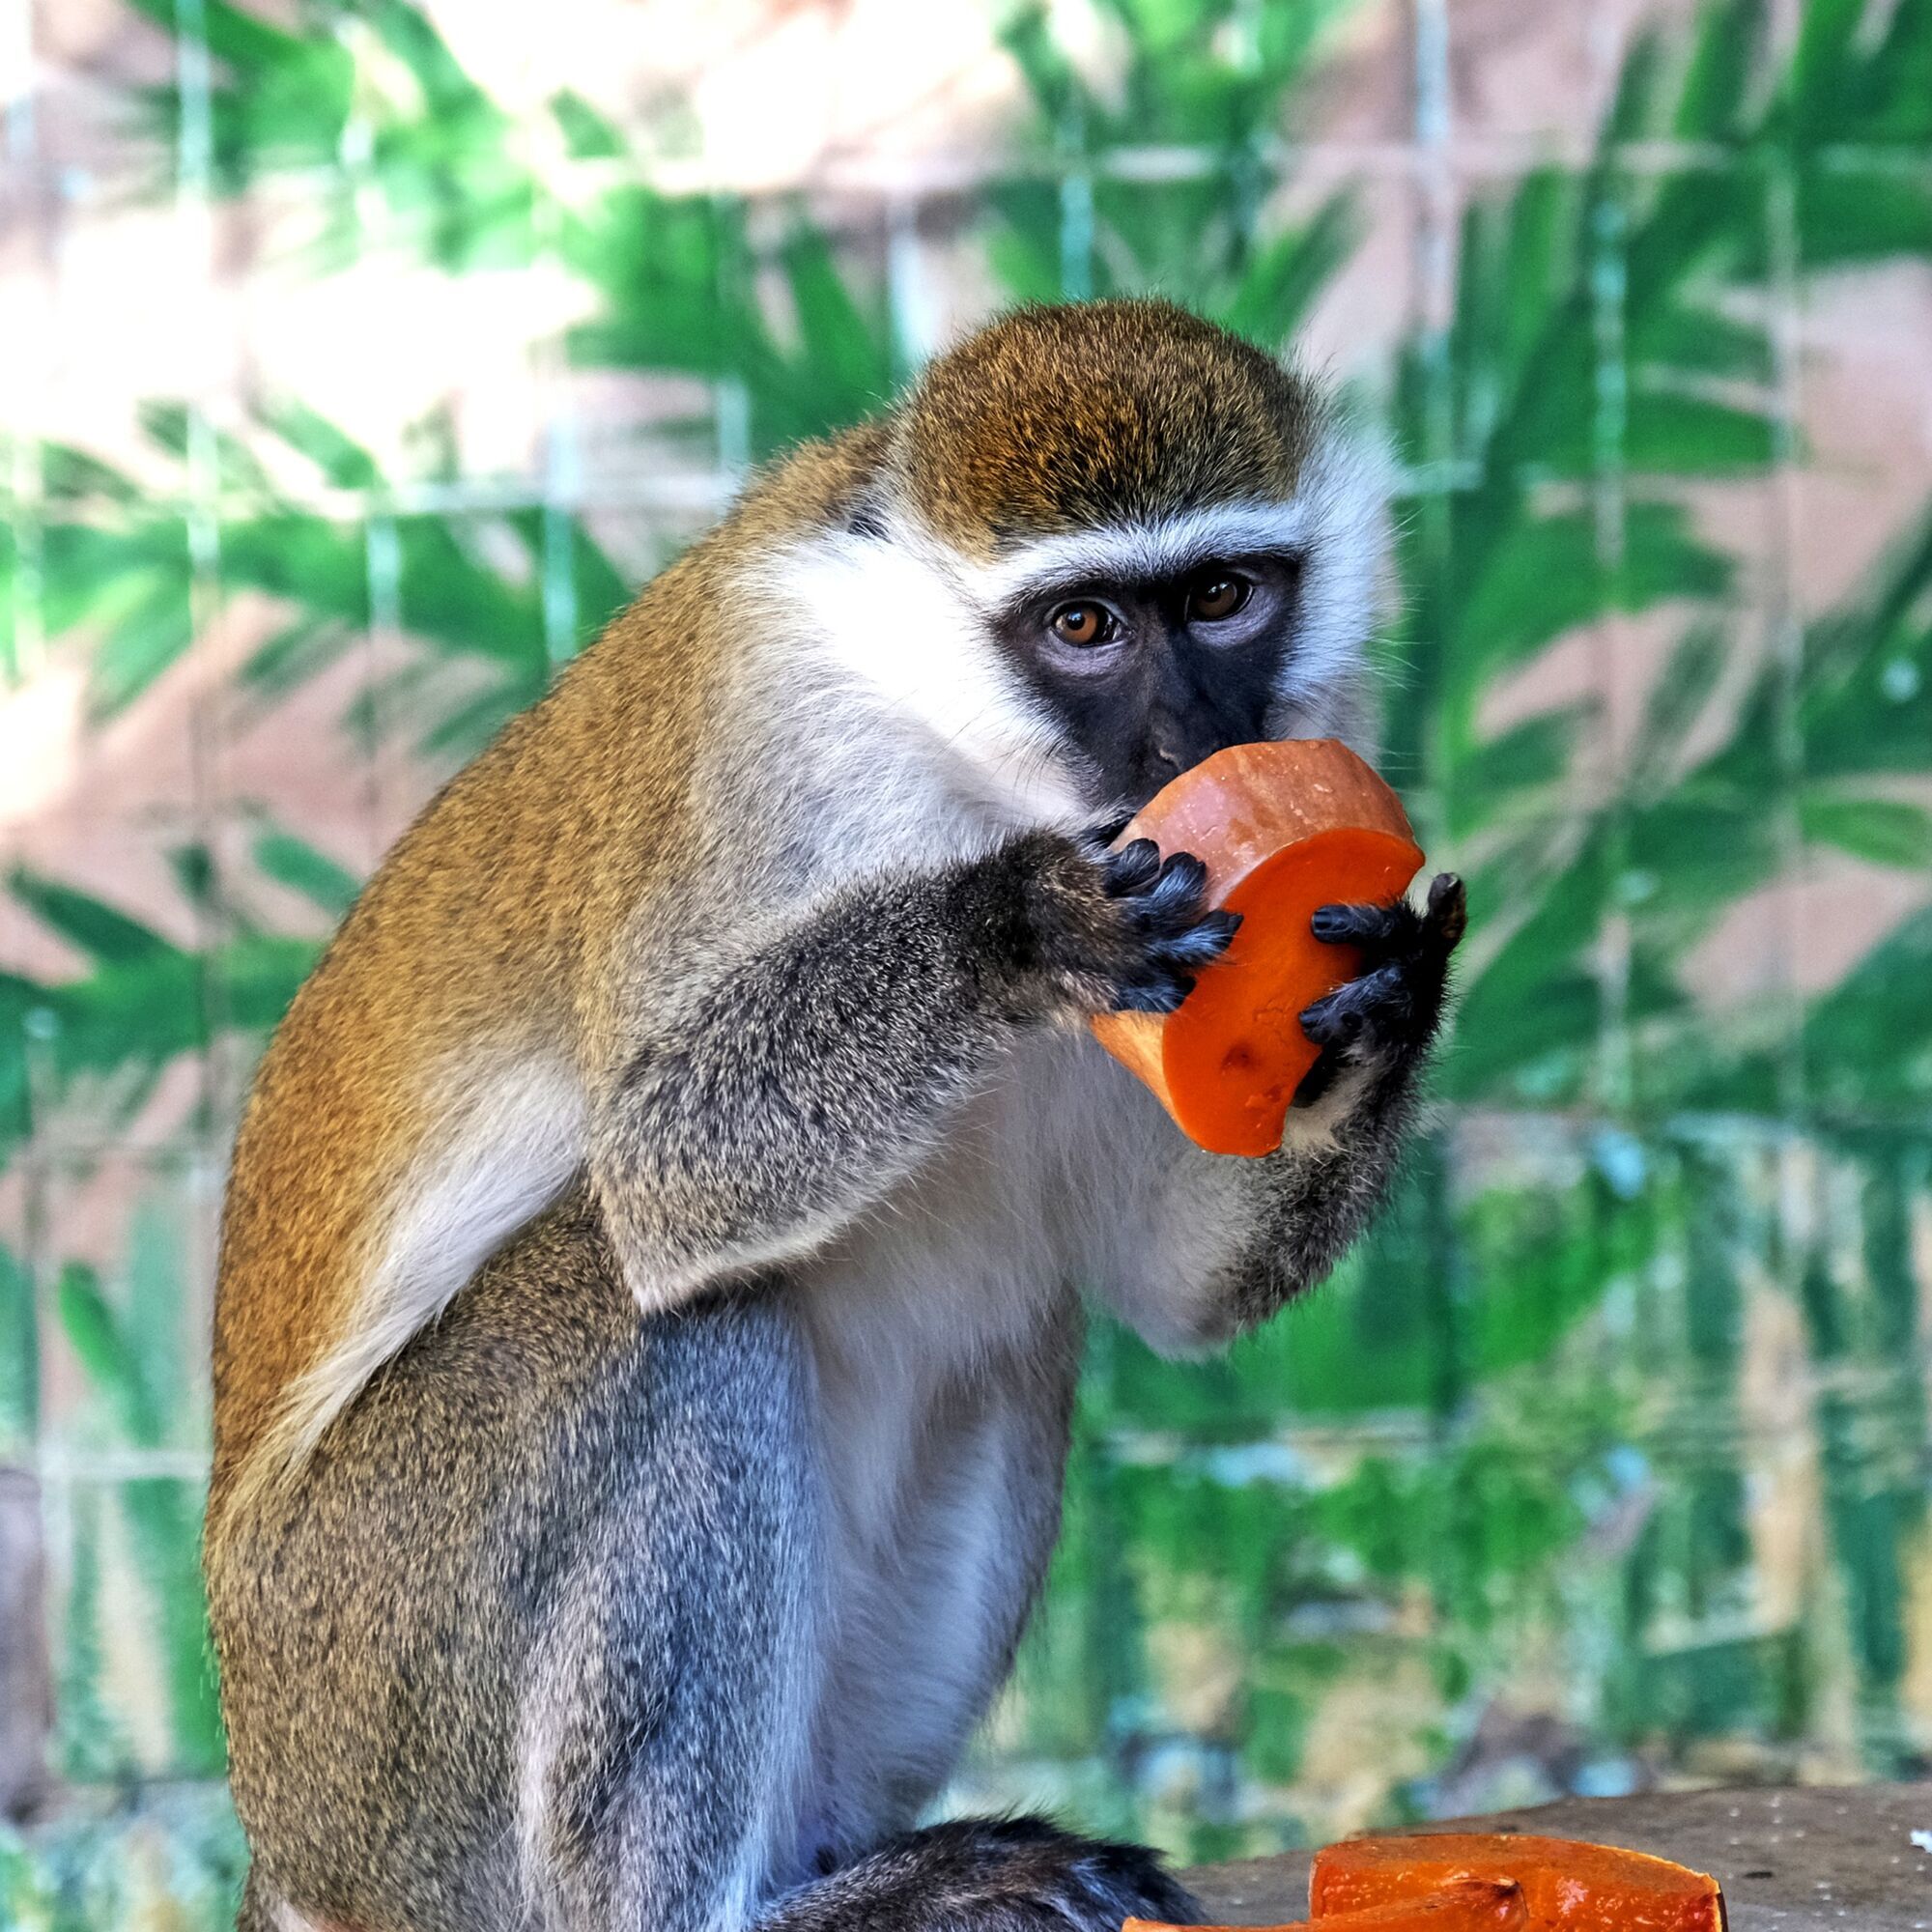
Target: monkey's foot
{"type": "Point", "coordinates": [989, 1875]}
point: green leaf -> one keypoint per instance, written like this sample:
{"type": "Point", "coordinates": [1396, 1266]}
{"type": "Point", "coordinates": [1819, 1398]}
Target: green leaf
{"type": "Point", "coordinates": [1711, 103]}
{"type": "Point", "coordinates": [343, 462]}
{"type": "Point", "coordinates": [587, 133]}
{"type": "Point", "coordinates": [1280, 285]}
{"type": "Point", "coordinates": [844, 368]}
{"type": "Point", "coordinates": [90, 923]}
{"type": "Point", "coordinates": [1686, 338]}
{"type": "Point", "coordinates": [19, 1352]}
{"type": "Point", "coordinates": [295, 654]}
{"type": "Point", "coordinates": [1526, 758]}
{"type": "Point", "coordinates": [237, 39]}
{"type": "Point", "coordinates": [1679, 697]}
{"type": "Point", "coordinates": [1885, 832]}
{"type": "Point", "coordinates": [1848, 217]}
{"type": "Point", "coordinates": [1670, 433]}
{"type": "Point", "coordinates": [1545, 575]}
{"type": "Point", "coordinates": [72, 475]}
{"type": "Point", "coordinates": [95, 1334]}
{"type": "Point", "coordinates": [1867, 1042]}
{"type": "Point", "coordinates": [295, 863]}
{"type": "Point", "coordinates": [145, 641]}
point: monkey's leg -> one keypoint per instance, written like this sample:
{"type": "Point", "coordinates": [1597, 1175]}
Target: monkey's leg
{"type": "Point", "coordinates": [529, 1642]}
{"type": "Point", "coordinates": [663, 1757]}
{"type": "Point", "coordinates": [819, 1065]}
{"type": "Point", "coordinates": [664, 1727]}
{"type": "Point", "coordinates": [666, 1762]}
{"type": "Point", "coordinates": [540, 1638]}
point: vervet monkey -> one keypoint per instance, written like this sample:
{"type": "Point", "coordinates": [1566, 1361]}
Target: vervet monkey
{"type": "Point", "coordinates": [651, 1280]}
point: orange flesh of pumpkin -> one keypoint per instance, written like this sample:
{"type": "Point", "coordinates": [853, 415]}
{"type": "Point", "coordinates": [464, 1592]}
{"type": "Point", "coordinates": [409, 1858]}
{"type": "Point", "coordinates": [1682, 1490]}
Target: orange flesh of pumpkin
{"type": "Point", "coordinates": [1566, 1887]}
{"type": "Point", "coordinates": [1283, 829]}
{"type": "Point", "coordinates": [1478, 1906]}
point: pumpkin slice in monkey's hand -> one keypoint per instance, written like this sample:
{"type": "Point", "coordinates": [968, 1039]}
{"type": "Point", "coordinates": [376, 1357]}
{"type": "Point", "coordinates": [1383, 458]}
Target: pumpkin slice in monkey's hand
{"type": "Point", "coordinates": [1283, 829]}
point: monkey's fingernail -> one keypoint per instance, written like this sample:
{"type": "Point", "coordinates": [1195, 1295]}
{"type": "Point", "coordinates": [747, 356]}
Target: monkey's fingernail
{"type": "Point", "coordinates": [1331, 922]}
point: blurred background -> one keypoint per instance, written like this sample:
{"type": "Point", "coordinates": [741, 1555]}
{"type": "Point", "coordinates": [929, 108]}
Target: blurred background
{"type": "Point", "coordinates": [361, 355]}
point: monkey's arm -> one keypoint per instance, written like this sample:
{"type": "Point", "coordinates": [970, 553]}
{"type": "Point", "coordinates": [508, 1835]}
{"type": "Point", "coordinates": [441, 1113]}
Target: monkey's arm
{"type": "Point", "coordinates": [1235, 1239]}
{"type": "Point", "coordinates": [818, 1063]}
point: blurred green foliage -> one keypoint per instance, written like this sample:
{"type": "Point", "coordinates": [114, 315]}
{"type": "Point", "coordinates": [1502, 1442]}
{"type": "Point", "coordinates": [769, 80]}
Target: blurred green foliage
{"type": "Point", "coordinates": [1505, 1456]}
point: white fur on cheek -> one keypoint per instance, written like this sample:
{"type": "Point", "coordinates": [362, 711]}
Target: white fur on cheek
{"type": "Point", "coordinates": [887, 619]}
{"type": "Point", "coordinates": [1344, 488]}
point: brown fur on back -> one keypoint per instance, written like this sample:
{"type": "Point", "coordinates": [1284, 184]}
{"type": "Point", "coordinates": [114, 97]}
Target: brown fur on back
{"type": "Point", "coordinates": [491, 922]}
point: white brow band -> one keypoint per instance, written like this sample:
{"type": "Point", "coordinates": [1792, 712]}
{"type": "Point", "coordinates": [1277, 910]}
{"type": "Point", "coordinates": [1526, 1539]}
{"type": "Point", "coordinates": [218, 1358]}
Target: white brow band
{"type": "Point", "coordinates": [1163, 547]}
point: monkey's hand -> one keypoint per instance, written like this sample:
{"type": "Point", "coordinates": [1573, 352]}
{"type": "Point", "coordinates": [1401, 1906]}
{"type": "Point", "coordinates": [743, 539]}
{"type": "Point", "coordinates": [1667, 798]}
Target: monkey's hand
{"type": "Point", "coordinates": [1095, 931]}
{"type": "Point", "coordinates": [1226, 1242]}
{"type": "Point", "coordinates": [1386, 1016]}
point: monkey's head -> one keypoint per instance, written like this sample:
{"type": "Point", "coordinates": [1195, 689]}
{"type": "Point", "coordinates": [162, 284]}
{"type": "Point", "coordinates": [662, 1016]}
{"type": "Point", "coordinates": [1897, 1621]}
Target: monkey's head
{"type": "Point", "coordinates": [1114, 539]}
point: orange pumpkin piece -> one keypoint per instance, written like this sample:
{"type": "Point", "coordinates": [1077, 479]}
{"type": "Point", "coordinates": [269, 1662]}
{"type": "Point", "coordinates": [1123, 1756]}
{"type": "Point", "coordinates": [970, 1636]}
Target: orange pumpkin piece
{"type": "Point", "coordinates": [1567, 1886]}
{"type": "Point", "coordinates": [1477, 1905]}
{"type": "Point", "coordinates": [1283, 829]}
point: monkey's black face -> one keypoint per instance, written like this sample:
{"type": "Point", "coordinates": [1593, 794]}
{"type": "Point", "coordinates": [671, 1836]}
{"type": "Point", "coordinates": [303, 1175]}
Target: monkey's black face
{"type": "Point", "coordinates": [1150, 678]}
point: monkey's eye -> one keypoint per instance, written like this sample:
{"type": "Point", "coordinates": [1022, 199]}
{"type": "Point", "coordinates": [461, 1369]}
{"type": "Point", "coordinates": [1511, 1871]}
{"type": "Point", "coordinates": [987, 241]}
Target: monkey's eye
{"type": "Point", "coordinates": [1218, 594]}
{"type": "Point", "coordinates": [1084, 625]}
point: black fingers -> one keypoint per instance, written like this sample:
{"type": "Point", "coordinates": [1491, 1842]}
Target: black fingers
{"type": "Point", "coordinates": [1133, 869]}
{"type": "Point", "coordinates": [1448, 908]}
{"type": "Point", "coordinates": [1206, 939]}
{"type": "Point", "coordinates": [1374, 1001]}
{"type": "Point", "coordinates": [1053, 927]}
{"type": "Point", "coordinates": [1392, 1009]}
{"type": "Point", "coordinates": [1179, 892]}
{"type": "Point", "coordinates": [1356, 924]}
{"type": "Point", "coordinates": [1393, 927]}
{"type": "Point", "coordinates": [1176, 932]}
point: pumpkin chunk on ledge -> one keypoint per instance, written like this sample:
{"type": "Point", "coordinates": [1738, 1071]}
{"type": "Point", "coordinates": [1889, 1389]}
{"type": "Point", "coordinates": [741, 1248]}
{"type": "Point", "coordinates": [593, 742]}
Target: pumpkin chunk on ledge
{"type": "Point", "coordinates": [1461, 1882]}
{"type": "Point", "coordinates": [1478, 1905]}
